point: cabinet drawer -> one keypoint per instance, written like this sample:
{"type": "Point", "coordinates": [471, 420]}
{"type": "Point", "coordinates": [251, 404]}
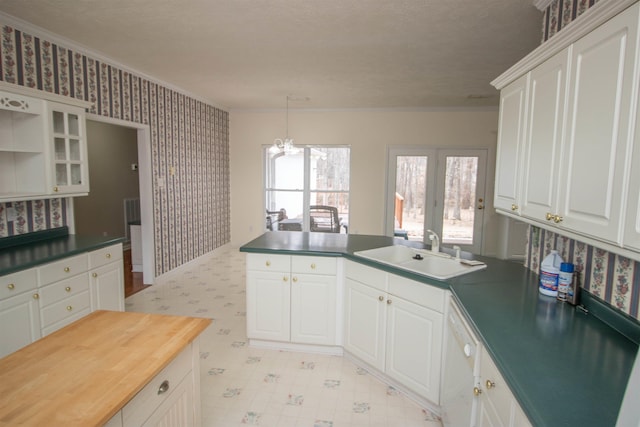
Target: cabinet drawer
{"type": "Point", "coordinates": [143, 404]}
{"type": "Point", "coordinates": [104, 256]}
{"type": "Point", "coordinates": [268, 262]}
{"type": "Point", "coordinates": [314, 265]}
{"type": "Point", "coordinates": [16, 283]}
{"type": "Point", "coordinates": [62, 269]}
{"type": "Point", "coordinates": [367, 275]}
{"type": "Point", "coordinates": [416, 292]}
{"type": "Point", "coordinates": [80, 302]}
{"type": "Point", "coordinates": [63, 289]}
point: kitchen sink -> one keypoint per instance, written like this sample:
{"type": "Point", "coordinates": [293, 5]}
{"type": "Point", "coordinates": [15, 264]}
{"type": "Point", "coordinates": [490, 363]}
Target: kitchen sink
{"type": "Point", "coordinates": [438, 265]}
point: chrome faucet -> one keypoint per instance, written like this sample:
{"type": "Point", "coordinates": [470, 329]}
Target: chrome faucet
{"type": "Point", "coordinates": [435, 241]}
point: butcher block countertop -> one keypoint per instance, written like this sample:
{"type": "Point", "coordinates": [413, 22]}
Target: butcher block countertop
{"type": "Point", "coordinates": [86, 372]}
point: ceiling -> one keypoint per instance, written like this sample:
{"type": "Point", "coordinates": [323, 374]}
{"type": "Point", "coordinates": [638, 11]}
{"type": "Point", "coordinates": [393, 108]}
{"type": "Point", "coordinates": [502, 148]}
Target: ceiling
{"type": "Point", "coordinates": [252, 54]}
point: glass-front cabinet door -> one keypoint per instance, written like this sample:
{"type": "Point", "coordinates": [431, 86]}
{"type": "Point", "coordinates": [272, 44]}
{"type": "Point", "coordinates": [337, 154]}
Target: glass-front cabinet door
{"type": "Point", "coordinates": [70, 171]}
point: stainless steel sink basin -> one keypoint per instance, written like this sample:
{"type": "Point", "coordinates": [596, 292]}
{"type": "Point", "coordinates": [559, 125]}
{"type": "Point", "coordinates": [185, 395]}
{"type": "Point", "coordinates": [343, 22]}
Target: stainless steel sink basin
{"type": "Point", "coordinates": [436, 265]}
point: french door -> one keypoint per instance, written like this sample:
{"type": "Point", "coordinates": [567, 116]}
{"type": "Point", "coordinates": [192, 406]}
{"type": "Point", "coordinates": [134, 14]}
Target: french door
{"type": "Point", "coordinates": [437, 189]}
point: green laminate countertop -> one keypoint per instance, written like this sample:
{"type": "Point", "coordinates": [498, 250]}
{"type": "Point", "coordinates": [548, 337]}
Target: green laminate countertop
{"type": "Point", "coordinates": [565, 367]}
{"type": "Point", "coordinates": [30, 255]}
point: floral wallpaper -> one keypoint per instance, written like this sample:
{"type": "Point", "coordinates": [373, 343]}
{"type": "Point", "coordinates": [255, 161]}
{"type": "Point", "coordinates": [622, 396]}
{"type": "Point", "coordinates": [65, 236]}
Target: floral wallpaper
{"type": "Point", "coordinates": [560, 13]}
{"type": "Point", "coordinates": [611, 277]}
{"type": "Point", "coordinates": [191, 206]}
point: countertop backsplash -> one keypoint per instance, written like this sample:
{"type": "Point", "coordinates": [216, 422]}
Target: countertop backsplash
{"type": "Point", "coordinates": [33, 215]}
{"type": "Point", "coordinates": [610, 277]}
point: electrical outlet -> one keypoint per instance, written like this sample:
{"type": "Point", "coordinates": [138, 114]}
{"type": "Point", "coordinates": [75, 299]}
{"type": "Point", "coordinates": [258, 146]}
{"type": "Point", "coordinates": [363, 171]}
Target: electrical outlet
{"type": "Point", "coordinates": [134, 166]}
{"type": "Point", "coordinates": [11, 214]}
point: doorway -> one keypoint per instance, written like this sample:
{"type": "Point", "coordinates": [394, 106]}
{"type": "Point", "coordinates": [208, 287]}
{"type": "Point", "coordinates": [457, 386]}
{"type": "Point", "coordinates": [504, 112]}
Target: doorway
{"type": "Point", "coordinates": [437, 189]}
{"type": "Point", "coordinates": [143, 142]}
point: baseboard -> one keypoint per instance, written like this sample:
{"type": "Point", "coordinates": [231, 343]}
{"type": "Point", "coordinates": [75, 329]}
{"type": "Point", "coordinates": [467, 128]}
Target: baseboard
{"type": "Point", "coordinates": [300, 348]}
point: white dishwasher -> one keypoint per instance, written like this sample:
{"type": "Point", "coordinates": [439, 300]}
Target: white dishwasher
{"type": "Point", "coordinates": [461, 371]}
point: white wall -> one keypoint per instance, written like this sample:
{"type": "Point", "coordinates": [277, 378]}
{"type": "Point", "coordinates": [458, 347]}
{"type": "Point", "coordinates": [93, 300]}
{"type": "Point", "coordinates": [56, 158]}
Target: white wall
{"type": "Point", "coordinates": [369, 133]}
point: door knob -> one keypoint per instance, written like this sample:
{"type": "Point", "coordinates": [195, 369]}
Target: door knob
{"type": "Point", "coordinates": [490, 384]}
{"type": "Point", "coordinates": [549, 216]}
{"type": "Point", "coordinates": [477, 391]}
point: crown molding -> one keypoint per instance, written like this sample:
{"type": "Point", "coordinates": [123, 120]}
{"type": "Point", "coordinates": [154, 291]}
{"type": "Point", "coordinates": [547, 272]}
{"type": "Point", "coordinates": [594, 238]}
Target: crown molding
{"type": "Point", "coordinates": [542, 4]}
{"type": "Point", "coordinates": [42, 33]}
{"type": "Point", "coordinates": [592, 18]}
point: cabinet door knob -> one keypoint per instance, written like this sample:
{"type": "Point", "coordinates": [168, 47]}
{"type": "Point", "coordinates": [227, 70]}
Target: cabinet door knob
{"type": "Point", "coordinates": [94, 275]}
{"type": "Point", "coordinates": [68, 289]}
{"type": "Point", "coordinates": [557, 219]}
{"type": "Point", "coordinates": [285, 278]}
{"type": "Point", "coordinates": [108, 255]}
{"type": "Point", "coordinates": [36, 296]}
{"type": "Point", "coordinates": [67, 269]}
{"type": "Point", "coordinates": [514, 207]}
{"type": "Point", "coordinates": [313, 266]}
{"type": "Point", "coordinates": [477, 391]}
{"type": "Point", "coordinates": [164, 387]}
{"type": "Point", "coordinates": [549, 216]}
{"type": "Point", "coordinates": [11, 286]}
{"type": "Point", "coordinates": [55, 189]}
{"type": "Point", "coordinates": [490, 384]}
{"type": "Point", "coordinates": [69, 308]}
{"type": "Point", "coordinates": [388, 301]}
{"type": "Point", "coordinates": [480, 207]}
{"type": "Point", "coordinates": [268, 263]}
{"type": "Point", "coordinates": [380, 298]}
{"type": "Point", "coordinates": [295, 280]}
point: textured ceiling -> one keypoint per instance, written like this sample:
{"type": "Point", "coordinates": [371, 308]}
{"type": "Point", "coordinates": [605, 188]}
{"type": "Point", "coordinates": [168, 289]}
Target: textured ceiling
{"type": "Point", "coordinates": [243, 54]}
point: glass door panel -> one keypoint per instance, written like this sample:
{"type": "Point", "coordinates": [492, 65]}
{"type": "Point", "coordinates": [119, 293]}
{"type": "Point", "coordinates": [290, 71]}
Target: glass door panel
{"type": "Point", "coordinates": [459, 200]}
{"type": "Point", "coordinates": [460, 214]}
{"type": "Point", "coordinates": [60, 148]}
{"type": "Point", "coordinates": [410, 197]}
{"type": "Point", "coordinates": [58, 122]}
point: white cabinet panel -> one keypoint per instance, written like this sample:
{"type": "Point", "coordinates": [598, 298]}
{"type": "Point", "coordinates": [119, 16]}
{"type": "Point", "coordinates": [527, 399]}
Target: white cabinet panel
{"type": "Point", "coordinates": [513, 108]}
{"type": "Point", "coordinates": [313, 309]}
{"type": "Point", "coordinates": [543, 142]}
{"type": "Point", "coordinates": [19, 322]}
{"type": "Point", "coordinates": [268, 305]}
{"type": "Point", "coordinates": [414, 347]}
{"type": "Point", "coordinates": [365, 323]}
{"type": "Point", "coordinates": [596, 143]}
{"type": "Point", "coordinates": [107, 287]}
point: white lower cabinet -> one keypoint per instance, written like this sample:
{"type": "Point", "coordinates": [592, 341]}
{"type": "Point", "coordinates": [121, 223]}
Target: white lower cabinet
{"type": "Point", "coordinates": [106, 277]}
{"type": "Point", "coordinates": [496, 404]}
{"type": "Point", "coordinates": [170, 399]}
{"type": "Point", "coordinates": [395, 325]}
{"type": "Point", "coordinates": [292, 299]}
{"type": "Point", "coordinates": [41, 300]}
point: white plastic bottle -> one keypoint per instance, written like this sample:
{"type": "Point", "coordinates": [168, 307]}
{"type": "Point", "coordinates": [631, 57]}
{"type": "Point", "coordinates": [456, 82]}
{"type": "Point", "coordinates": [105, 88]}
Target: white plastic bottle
{"type": "Point", "coordinates": [549, 273]}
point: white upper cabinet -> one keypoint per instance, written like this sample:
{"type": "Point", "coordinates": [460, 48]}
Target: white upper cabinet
{"type": "Point", "coordinates": [572, 172]}
{"type": "Point", "coordinates": [513, 108]}
{"type": "Point", "coordinates": [594, 169]}
{"type": "Point", "coordinates": [544, 137]}
{"type": "Point", "coordinates": [69, 147]}
{"type": "Point", "coordinates": [43, 146]}
{"type": "Point", "coordinates": [24, 161]}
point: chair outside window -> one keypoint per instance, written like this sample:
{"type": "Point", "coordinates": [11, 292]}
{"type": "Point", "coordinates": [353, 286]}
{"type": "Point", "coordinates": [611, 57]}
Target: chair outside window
{"type": "Point", "coordinates": [324, 219]}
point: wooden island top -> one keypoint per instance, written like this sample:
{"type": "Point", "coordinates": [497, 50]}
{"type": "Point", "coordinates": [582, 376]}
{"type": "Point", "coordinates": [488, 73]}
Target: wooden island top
{"type": "Point", "coordinates": [86, 372]}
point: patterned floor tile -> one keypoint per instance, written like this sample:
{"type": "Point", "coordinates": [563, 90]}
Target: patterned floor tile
{"type": "Point", "coordinates": [243, 386]}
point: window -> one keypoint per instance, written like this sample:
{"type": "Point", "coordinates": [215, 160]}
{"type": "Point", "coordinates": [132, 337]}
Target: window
{"type": "Point", "coordinates": [307, 189]}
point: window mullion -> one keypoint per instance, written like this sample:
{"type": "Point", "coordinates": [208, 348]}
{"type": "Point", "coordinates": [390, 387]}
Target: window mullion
{"type": "Point", "coordinates": [306, 197]}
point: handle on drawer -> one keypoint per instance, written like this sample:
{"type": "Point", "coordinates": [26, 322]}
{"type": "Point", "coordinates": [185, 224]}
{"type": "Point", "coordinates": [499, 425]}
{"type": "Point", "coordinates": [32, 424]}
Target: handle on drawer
{"type": "Point", "coordinates": [268, 263]}
{"type": "Point", "coordinates": [67, 269]}
{"type": "Point", "coordinates": [108, 255]}
{"type": "Point", "coordinates": [11, 286]}
{"type": "Point", "coordinates": [94, 275]}
{"type": "Point", "coordinates": [68, 289]}
{"type": "Point", "coordinates": [69, 308]}
{"type": "Point", "coordinates": [313, 266]}
{"type": "Point", "coordinates": [36, 296]}
{"type": "Point", "coordinates": [164, 387]}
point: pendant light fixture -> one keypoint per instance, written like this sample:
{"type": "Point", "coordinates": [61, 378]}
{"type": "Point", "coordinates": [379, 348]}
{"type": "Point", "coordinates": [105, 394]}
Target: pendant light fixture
{"type": "Point", "coordinates": [284, 145]}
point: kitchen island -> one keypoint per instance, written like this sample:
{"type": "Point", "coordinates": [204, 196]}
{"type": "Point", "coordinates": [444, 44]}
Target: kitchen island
{"type": "Point", "coordinates": [87, 372]}
{"type": "Point", "coordinates": [564, 366]}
